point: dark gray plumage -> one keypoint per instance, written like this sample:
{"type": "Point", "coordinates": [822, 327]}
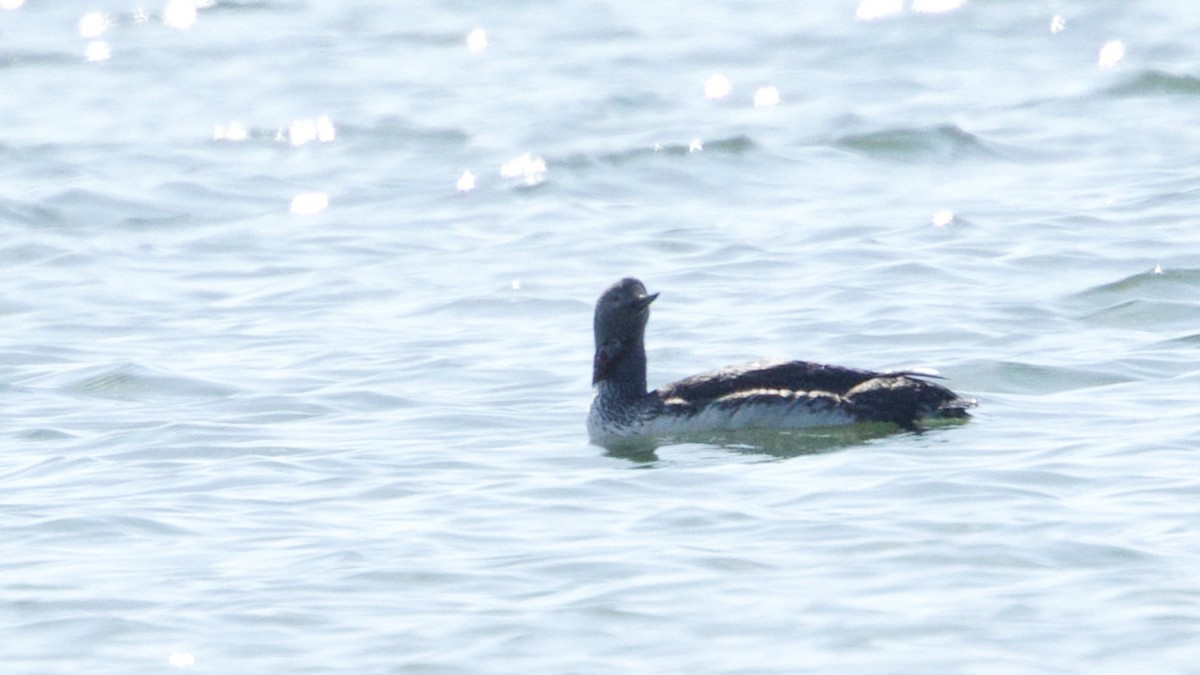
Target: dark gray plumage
{"type": "Point", "coordinates": [771, 395]}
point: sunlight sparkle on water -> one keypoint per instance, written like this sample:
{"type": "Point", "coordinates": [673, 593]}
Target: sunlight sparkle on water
{"type": "Point", "coordinates": [765, 97]}
{"type": "Point", "coordinates": [11, 4]}
{"type": "Point", "coordinates": [97, 50]}
{"type": "Point", "coordinates": [877, 9]}
{"type": "Point", "coordinates": [326, 133]}
{"type": "Point", "coordinates": [1057, 24]}
{"type": "Point", "coordinates": [302, 131]}
{"type": "Point", "coordinates": [181, 660]}
{"type": "Point", "coordinates": [717, 87]}
{"type": "Point", "coordinates": [527, 167]}
{"type": "Point", "coordinates": [234, 132]}
{"type": "Point", "coordinates": [942, 218]}
{"type": "Point", "coordinates": [180, 14]}
{"type": "Point", "coordinates": [695, 145]}
{"type": "Point", "coordinates": [93, 24]}
{"type": "Point", "coordinates": [936, 6]}
{"type": "Point", "coordinates": [1111, 54]}
{"type": "Point", "coordinates": [477, 40]}
{"type": "Point", "coordinates": [466, 182]}
{"type": "Point", "coordinates": [308, 130]}
{"type": "Point", "coordinates": [310, 203]}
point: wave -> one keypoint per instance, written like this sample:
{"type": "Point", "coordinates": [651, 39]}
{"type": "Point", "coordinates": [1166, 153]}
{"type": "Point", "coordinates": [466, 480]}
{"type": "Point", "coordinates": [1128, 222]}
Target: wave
{"type": "Point", "coordinates": [130, 381]}
{"type": "Point", "coordinates": [1160, 300]}
{"type": "Point", "coordinates": [942, 142]}
{"type": "Point", "coordinates": [1157, 83]}
{"type": "Point", "coordinates": [1169, 284]}
{"type": "Point", "coordinates": [733, 145]}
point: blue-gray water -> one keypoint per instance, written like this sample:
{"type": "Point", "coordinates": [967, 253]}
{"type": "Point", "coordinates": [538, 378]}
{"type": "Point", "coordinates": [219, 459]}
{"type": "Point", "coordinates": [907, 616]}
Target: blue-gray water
{"type": "Point", "coordinates": [279, 396]}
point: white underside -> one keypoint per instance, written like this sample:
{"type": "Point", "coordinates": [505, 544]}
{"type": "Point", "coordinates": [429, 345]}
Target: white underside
{"type": "Point", "coordinates": [801, 411]}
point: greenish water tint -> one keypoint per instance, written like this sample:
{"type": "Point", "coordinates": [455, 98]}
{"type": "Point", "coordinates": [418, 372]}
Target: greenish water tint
{"type": "Point", "coordinates": [940, 143]}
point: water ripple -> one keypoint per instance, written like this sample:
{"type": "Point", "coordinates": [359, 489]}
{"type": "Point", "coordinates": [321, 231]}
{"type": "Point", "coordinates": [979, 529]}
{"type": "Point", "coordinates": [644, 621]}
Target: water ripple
{"type": "Point", "coordinates": [944, 142]}
{"type": "Point", "coordinates": [1157, 83]}
{"type": "Point", "coordinates": [245, 440]}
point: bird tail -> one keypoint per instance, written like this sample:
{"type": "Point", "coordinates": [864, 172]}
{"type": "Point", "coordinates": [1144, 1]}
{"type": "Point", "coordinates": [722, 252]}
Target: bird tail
{"type": "Point", "coordinates": [905, 400]}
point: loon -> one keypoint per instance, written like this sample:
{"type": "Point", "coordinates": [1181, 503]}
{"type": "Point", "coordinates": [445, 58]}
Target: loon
{"type": "Point", "coordinates": [760, 395]}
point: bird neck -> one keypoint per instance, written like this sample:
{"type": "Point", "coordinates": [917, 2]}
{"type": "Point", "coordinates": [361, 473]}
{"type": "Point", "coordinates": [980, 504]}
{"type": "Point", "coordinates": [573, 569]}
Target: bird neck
{"type": "Point", "coordinates": [627, 379]}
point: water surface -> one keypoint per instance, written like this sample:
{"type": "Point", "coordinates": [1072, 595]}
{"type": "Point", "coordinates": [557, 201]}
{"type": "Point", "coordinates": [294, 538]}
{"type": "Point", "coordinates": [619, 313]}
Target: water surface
{"type": "Point", "coordinates": [285, 391]}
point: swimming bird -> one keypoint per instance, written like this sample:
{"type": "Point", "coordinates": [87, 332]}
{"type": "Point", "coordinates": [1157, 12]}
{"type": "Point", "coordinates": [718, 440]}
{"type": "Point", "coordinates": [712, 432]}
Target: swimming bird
{"type": "Point", "coordinates": [760, 395]}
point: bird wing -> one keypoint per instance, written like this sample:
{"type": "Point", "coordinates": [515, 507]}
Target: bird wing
{"type": "Point", "coordinates": [768, 375]}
